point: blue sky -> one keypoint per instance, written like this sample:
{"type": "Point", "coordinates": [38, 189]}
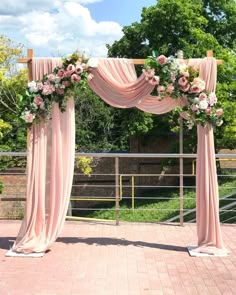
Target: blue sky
{"type": "Point", "coordinates": [124, 12]}
{"type": "Point", "coordinates": [58, 27]}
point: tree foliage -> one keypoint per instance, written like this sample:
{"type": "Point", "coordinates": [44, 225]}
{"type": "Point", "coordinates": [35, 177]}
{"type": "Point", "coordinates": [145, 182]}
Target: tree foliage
{"type": "Point", "coordinates": [12, 84]}
{"type": "Point", "coordinates": [193, 26]}
{"type": "Point", "coordinates": [100, 127]}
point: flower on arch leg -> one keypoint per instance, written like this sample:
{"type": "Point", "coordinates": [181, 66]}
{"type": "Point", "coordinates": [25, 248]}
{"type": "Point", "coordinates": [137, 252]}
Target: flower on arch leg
{"type": "Point", "coordinates": [219, 112]}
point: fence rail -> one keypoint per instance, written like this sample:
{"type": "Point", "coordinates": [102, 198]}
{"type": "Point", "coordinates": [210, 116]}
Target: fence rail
{"type": "Point", "coordinates": [120, 188]}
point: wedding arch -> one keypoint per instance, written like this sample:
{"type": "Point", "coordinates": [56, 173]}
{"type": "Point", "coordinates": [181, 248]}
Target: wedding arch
{"type": "Point", "coordinates": [51, 147]}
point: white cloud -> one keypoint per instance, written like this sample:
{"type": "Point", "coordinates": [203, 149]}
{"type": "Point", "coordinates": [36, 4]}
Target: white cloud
{"type": "Point", "coordinates": [16, 7]}
{"type": "Point", "coordinates": [65, 27]}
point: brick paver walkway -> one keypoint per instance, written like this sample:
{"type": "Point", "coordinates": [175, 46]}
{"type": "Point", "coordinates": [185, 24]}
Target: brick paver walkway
{"type": "Point", "coordinates": [130, 259]}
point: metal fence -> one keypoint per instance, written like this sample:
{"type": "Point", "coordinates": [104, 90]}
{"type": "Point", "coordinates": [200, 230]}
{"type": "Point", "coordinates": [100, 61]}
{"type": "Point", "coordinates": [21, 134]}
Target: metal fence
{"type": "Point", "coordinates": [125, 186]}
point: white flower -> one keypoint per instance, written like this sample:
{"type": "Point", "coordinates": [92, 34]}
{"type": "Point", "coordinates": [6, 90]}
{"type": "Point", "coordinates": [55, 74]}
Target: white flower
{"type": "Point", "coordinates": [57, 79]}
{"type": "Point", "coordinates": [32, 86]}
{"type": "Point", "coordinates": [92, 62]}
{"type": "Point", "coordinates": [190, 124]}
{"type": "Point", "coordinates": [203, 104]}
{"type": "Point", "coordinates": [219, 123]}
{"type": "Point", "coordinates": [29, 117]}
{"type": "Point", "coordinates": [84, 56]}
{"type": "Point", "coordinates": [42, 106]}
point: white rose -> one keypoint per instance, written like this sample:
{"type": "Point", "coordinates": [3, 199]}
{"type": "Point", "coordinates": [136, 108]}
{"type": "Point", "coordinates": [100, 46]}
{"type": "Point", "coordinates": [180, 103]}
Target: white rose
{"type": "Point", "coordinates": [203, 104]}
{"type": "Point", "coordinates": [92, 62]}
{"type": "Point", "coordinates": [32, 86]}
{"type": "Point", "coordinates": [219, 123]}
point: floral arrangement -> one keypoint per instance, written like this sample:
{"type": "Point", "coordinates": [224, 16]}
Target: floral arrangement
{"type": "Point", "coordinates": [178, 80]}
{"type": "Point", "coordinates": [55, 87]}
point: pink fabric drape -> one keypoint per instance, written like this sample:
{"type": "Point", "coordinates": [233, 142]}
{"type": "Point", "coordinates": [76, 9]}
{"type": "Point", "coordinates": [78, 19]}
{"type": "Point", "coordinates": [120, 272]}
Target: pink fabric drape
{"type": "Point", "coordinates": [207, 198]}
{"type": "Point", "coordinates": [50, 166]}
{"type": "Point", "coordinates": [116, 82]}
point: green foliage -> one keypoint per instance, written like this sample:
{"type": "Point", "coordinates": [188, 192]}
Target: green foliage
{"type": "Point", "coordinates": [12, 85]}
{"type": "Point", "coordinates": [1, 187]}
{"type": "Point", "coordinates": [4, 128]}
{"type": "Point", "coordinates": [100, 127]}
{"type": "Point", "coordinates": [84, 164]}
{"type": "Point", "coordinates": [8, 54]}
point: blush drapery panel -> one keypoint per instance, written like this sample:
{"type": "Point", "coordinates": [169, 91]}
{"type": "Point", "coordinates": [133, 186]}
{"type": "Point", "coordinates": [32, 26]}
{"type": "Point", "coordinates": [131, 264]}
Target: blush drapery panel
{"type": "Point", "coordinates": [50, 167]}
{"type": "Point", "coordinates": [207, 198]}
{"type": "Point", "coordinates": [112, 76]}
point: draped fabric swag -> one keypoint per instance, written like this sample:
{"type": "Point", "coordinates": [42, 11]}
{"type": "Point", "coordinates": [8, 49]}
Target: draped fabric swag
{"type": "Point", "coordinates": [49, 186]}
{"type": "Point", "coordinates": [50, 169]}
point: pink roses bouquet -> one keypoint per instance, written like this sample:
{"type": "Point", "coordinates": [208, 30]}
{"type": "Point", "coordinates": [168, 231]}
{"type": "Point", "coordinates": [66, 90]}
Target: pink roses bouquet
{"type": "Point", "coordinates": [177, 80]}
{"type": "Point", "coordinates": [54, 87]}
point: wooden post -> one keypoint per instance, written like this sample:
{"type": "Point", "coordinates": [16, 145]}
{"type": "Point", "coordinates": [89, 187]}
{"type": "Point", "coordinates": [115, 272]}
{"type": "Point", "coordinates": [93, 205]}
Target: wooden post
{"type": "Point", "coordinates": [28, 60]}
{"type": "Point", "coordinates": [209, 53]}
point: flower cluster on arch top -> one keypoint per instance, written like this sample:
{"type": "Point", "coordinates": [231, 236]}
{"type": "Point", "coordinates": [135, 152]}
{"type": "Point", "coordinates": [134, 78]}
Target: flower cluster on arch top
{"type": "Point", "coordinates": [170, 78]}
{"type": "Point", "coordinates": [178, 80]}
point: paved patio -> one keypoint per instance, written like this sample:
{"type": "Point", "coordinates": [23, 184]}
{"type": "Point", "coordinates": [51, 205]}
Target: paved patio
{"type": "Point", "coordinates": [130, 259]}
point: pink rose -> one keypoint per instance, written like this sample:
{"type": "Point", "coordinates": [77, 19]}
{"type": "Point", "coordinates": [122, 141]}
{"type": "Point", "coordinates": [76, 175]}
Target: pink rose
{"type": "Point", "coordinates": [185, 88]}
{"type": "Point", "coordinates": [219, 112]}
{"type": "Point", "coordinates": [170, 88]}
{"type": "Point", "coordinates": [60, 91]}
{"type": "Point", "coordinates": [38, 100]}
{"type": "Point", "coordinates": [197, 85]}
{"type": "Point", "coordinates": [212, 99]}
{"type": "Point", "coordinates": [70, 68]}
{"type": "Point", "coordinates": [66, 83]}
{"type": "Point", "coordinates": [79, 69]}
{"type": "Point", "coordinates": [51, 77]}
{"type": "Point", "coordinates": [182, 81]}
{"type": "Point", "coordinates": [60, 73]}
{"type": "Point", "coordinates": [66, 74]}
{"type": "Point", "coordinates": [29, 117]}
{"type": "Point", "coordinates": [48, 89]}
{"type": "Point", "coordinates": [155, 80]}
{"type": "Point", "coordinates": [40, 86]}
{"type": "Point", "coordinates": [195, 89]}
{"type": "Point", "coordinates": [194, 107]}
{"type": "Point", "coordinates": [202, 96]}
{"type": "Point", "coordinates": [208, 111]}
{"type": "Point", "coordinates": [161, 89]}
{"type": "Point", "coordinates": [75, 78]}
{"type": "Point", "coordinates": [162, 59]}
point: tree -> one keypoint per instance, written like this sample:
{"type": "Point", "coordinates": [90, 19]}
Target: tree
{"type": "Point", "coordinates": [193, 26]}
{"type": "Point", "coordinates": [100, 127]}
{"type": "Point", "coordinates": [8, 54]}
{"type": "Point", "coordinates": [12, 83]}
